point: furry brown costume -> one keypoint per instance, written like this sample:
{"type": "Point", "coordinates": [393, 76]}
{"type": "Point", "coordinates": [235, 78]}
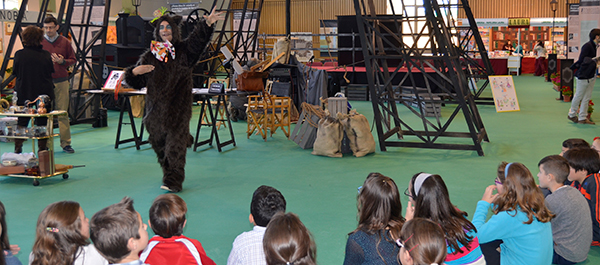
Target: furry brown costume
{"type": "Point", "coordinates": [169, 97]}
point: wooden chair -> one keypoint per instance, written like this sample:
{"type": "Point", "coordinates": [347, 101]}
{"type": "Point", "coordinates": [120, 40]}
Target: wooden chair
{"type": "Point", "coordinates": [267, 113]}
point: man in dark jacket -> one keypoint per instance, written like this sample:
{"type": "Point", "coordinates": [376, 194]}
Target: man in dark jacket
{"type": "Point", "coordinates": [166, 71]}
{"type": "Point", "coordinates": [586, 78]}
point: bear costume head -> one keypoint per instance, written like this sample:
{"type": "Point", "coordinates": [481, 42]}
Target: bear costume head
{"type": "Point", "coordinates": [174, 21]}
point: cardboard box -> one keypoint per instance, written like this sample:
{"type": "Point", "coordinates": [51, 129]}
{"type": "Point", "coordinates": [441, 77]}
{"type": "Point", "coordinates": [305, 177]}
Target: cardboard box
{"type": "Point", "coordinates": [18, 169]}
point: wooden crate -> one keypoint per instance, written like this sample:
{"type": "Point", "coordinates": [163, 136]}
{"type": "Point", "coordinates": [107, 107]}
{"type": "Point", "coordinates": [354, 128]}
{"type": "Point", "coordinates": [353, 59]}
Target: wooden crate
{"type": "Point", "coordinates": [337, 104]}
{"type": "Point", "coordinates": [304, 133]}
{"type": "Point", "coordinates": [358, 92]}
{"type": "Point", "coordinates": [431, 105]}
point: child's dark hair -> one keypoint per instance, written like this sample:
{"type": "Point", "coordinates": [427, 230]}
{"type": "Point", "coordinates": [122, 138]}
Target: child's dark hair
{"type": "Point", "coordinates": [583, 159]}
{"type": "Point", "coordinates": [500, 172]}
{"type": "Point", "coordinates": [167, 215]}
{"type": "Point", "coordinates": [4, 244]}
{"type": "Point", "coordinates": [575, 143]}
{"type": "Point", "coordinates": [556, 165]}
{"type": "Point", "coordinates": [379, 205]}
{"type": "Point", "coordinates": [424, 241]}
{"type": "Point", "coordinates": [112, 227]}
{"type": "Point", "coordinates": [288, 241]}
{"type": "Point", "coordinates": [521, 193]}
{"type": "Point", "coordinates": [433, 202]}
{"type": "Point", "coordinates": [58, 234]}
{"type": "Point", "coordinates": [266, 202]}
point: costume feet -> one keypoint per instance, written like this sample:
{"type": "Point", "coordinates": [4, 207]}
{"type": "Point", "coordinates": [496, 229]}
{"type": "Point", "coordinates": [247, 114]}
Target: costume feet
{"type": "Point", "coordinates": [170, 189]}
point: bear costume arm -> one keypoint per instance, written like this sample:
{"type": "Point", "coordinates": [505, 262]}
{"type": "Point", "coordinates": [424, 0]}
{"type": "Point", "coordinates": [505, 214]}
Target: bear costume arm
{"type": "Point", "coordinates": [137, 81]}
{"type": "Point", "coordinates": [197, 41]}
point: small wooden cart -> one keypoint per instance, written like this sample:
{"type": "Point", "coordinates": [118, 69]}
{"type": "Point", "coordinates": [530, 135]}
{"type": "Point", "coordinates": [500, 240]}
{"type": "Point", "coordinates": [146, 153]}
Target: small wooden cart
{"type": "Point", "coordinates": [55, 169]}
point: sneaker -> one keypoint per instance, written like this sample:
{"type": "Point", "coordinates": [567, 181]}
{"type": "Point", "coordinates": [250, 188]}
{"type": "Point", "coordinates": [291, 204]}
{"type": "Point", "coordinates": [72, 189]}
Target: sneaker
{"type": "Point", "coordinates": [586, 121]}
{"type": "Point", "coordinates": [169, 189]}
{"type": "Point", "coordinates": [68, 149]}
{"type": "Point", "coordinates": [573, 119]}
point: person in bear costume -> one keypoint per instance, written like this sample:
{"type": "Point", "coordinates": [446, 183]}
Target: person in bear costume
{"type": "Point", "coordinates": [166, 71]}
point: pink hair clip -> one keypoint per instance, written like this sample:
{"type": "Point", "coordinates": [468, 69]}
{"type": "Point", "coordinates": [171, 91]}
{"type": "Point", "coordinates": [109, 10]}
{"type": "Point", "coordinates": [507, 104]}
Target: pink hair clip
{"type": "Point", "coordinates": [52, 229]}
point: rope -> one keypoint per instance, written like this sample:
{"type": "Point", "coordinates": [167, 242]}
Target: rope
{"type": "Point", "coordinates": [312, 110]}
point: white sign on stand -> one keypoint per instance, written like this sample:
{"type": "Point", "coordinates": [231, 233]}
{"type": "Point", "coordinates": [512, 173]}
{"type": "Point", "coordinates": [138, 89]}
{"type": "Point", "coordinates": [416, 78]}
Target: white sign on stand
{"type": "Point", "coordinates": [505, 95]}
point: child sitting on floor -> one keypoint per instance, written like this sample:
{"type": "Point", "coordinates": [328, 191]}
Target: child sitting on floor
{"type": "Point", "coordinates": [585, 164]}
{"type": "Point", "coordinates": [520, 220]}
{"type": "Point", "coordinates": [429, 198]}
{"type": "Point", "coordinates": [571, 225]}
{"type": "Point", "coordinates": [379, 217]}
{"type": "Point", "coordinates": [421, 243]}
{"type": "Point", "coordinates": [248, 246]}
{"type": "Point", "coordinates": [6, 250]}
{"type": "Point", "coordinates": [119, 233]}
{"type": "Point", "coordinates": [288, 241]}
{"type": "Point", "coordinates": [62, 237]}
{"type": "Point", "coordinates": [573, 143]}
{"type": "Point", "coordinates": [169, 246]}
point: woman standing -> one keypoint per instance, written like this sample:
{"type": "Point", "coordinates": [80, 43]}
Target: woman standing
{"type": "Point", "coordinates": [540, 58]}
{"type": "Point", "coordinates": [33, 68]}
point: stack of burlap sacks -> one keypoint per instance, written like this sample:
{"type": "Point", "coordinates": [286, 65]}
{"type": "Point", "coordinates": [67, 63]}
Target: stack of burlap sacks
{"type": "Point", "coordinates": [330, 135]}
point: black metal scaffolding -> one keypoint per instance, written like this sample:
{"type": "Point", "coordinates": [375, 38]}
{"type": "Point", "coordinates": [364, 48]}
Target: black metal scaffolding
{"type": "Point", "coordinates": [241, 40]}
{"type": "Point", "coordinates": [78, 30]}
{"type": "Point", "coordinates": [408, 46]}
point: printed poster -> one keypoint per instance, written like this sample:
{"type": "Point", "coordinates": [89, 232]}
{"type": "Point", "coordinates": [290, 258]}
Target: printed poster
{"type": "Point", "coordinates": [113, 82]}
{"type": "Point", "coordinates": [505, 95]}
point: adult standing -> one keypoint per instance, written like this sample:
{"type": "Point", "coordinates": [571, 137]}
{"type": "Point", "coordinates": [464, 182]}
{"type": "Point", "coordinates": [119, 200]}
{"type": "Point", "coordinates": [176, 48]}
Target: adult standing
{"type": "Point", "coordinates": [33, 69]}
{"type": "Point", "coordinates": [168, 78]}
{"type": "Point", "coordinates": [540, 57]}
{"type": "Point", "coordinates": [63, 56]}
{"type": "Point", "coordinates": [586, 78]}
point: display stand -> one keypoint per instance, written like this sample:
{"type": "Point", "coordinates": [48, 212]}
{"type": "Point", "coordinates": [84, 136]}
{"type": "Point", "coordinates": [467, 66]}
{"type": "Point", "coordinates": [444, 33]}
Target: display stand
{"type": "Point", "coordinates": [55, 169]}
{"type": "Point", "coordinates": [212, 115]}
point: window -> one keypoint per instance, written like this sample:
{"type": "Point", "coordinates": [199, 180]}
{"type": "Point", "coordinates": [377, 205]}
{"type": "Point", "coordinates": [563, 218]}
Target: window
{"type": "Point", "coordinates": [11, 4]}
{"type": "Point", "coordinates": [416, 23]}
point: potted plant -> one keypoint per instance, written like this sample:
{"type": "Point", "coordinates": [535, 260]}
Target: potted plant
{"type": "Point", "coordinates": [555, 78]}
{"type": "Point", "coordinates": [590, 109]}
{"type": "Point", "coordinates": [567, 92]}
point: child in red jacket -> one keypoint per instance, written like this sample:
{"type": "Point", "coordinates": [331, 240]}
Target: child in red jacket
{"type": "Point", "coordinates": [169, 246]}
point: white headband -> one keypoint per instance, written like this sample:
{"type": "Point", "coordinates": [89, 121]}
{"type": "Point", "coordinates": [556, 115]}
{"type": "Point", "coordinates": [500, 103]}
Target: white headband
{"type": "Point", "coordinates": [419, 182]}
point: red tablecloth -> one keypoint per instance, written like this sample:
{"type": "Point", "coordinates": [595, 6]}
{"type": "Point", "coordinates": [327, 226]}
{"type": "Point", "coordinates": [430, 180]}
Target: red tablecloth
{"type": "Point", "coordinates": [528, 65]}
{"type": "Point", "coordinates": [500, 66]}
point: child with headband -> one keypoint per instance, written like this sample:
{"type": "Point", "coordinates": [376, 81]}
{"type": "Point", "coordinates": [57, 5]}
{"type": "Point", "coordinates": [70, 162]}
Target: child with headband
{"type": "Point", "coordinates": [429, 198]}
{"type": "Point", "coordinates": [421, 242]}
{"type": "Point", "coordinates": [520, 220]}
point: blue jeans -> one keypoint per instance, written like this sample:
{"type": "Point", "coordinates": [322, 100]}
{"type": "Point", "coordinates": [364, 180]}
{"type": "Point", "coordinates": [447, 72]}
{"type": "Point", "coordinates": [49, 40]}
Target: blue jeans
{"type": "Point", "coordinates": [558, 259]}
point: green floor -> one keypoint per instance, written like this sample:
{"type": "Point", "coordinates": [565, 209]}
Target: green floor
{"type": "Point", "coordinates": [321, 190]}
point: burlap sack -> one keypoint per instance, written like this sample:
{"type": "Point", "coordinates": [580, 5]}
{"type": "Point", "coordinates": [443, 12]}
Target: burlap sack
{"type": "Point", "coordinates": [357, 129]}
{"type": "Point", "coordinates": [282, 45]}
{"type": "Point", "coordinates": [329, 138]}
{"type": "Point", "coordinates": [138, 103]}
